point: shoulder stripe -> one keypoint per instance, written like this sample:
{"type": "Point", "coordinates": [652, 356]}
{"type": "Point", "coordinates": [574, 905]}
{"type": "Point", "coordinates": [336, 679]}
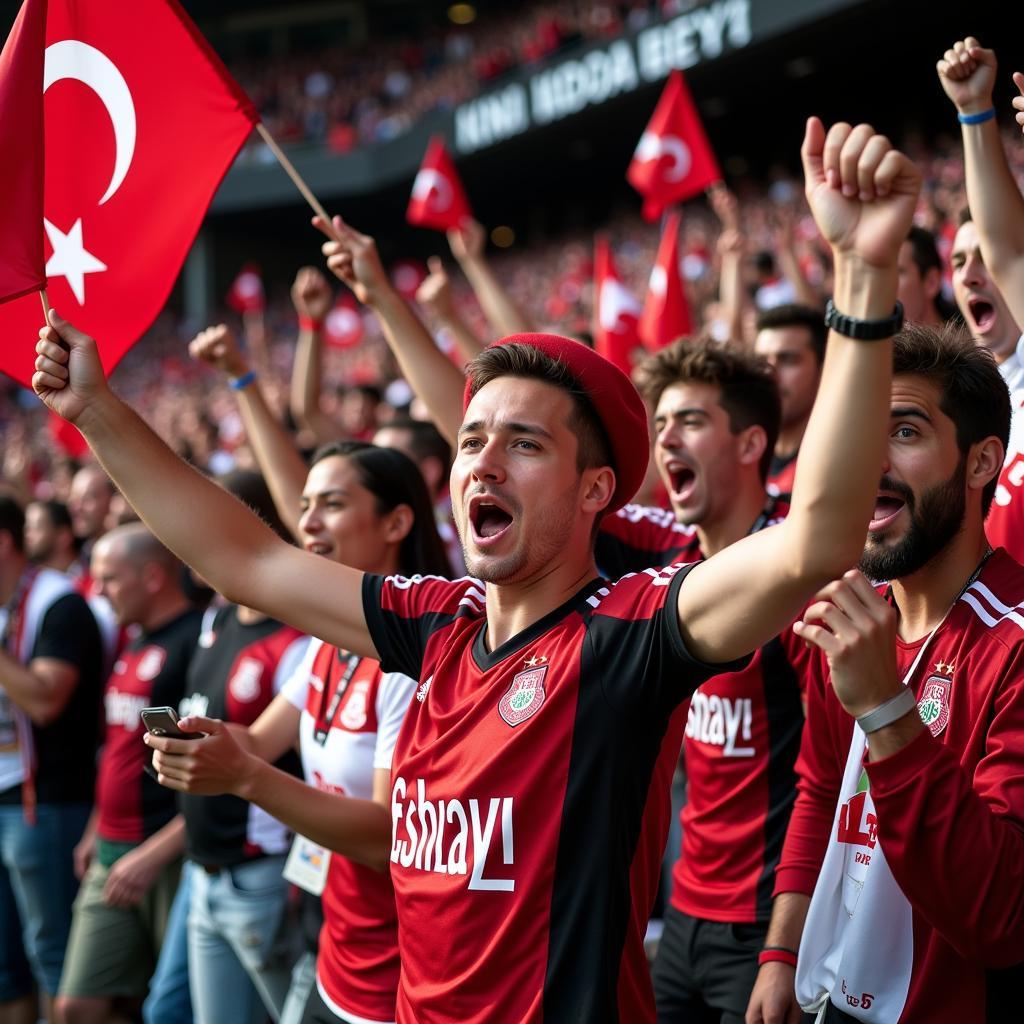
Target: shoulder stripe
{"type": "Point", "coordinates": [977, 593]}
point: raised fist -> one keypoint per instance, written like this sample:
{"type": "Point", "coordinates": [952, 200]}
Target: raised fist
{"type": "Point", "coordinates": [352, 258]}
{"type": "Point", "coordinates": [69, 375]}
{"type": "Point", "coordinates": [311, 294]}
{"type": "Point", "coordinates": [968, 75]}
{"type": "Point", "coordinates": [218, 347]}
{"type": "Point", "coordinates": [435, 292]}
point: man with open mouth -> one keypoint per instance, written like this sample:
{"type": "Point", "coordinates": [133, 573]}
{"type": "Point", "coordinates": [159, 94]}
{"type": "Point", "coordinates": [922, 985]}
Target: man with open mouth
{"type": "Point", "coordinates": [529, 783]}
{"type": "Point", "coordinates": [988, 265]}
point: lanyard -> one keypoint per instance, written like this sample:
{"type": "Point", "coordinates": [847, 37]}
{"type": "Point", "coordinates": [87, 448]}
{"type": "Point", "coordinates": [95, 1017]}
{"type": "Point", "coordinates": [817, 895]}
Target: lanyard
{"type": "Point", "coordinates": [323, 722]}
{"type": "Point", "coordinates": [11, 636]}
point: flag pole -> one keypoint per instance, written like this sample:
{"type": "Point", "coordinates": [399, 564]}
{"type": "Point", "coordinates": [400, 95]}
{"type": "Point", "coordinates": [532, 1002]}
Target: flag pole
{"type": "Point", "coordinates": [45, 299]}
{"type": "Point", "coordinates": [289, 168]}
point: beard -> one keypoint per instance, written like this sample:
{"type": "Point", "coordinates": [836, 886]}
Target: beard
{"type": "Point", "coordinates": [936, 517]}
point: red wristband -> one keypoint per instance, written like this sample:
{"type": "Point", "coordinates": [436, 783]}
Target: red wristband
{"type": "Point", "coordinates": [308, 323]}
{"type": "Point", "coordinates": [776, 954]}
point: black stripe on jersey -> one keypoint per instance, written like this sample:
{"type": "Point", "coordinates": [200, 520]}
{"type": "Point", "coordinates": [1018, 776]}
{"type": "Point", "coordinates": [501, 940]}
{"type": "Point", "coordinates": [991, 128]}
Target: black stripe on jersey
{"type": "Point", "coordinates": [591, 894]}
{"type": "Point", "coordinates": [785, 716]}
{"type": "Point", "coordinates": [1002, 994]}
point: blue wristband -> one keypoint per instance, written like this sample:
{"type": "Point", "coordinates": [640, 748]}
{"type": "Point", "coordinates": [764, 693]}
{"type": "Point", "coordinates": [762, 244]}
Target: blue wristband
{"type": "Point", "coordinates": [985, 115]}
{"type": "Point", "coordinates": [242, 382]}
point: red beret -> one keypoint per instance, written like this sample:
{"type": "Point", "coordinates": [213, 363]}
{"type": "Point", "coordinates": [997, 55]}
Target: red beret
{"type": "Point", "coordinates": [616, 401]}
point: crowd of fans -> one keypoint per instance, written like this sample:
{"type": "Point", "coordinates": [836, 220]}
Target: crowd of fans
{"type": "Point", "coordinates": [346, 452]}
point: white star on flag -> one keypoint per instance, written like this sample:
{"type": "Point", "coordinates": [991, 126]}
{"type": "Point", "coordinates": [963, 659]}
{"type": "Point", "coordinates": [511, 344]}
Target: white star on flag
{"type": "Point", "coordinates": [70, 258]}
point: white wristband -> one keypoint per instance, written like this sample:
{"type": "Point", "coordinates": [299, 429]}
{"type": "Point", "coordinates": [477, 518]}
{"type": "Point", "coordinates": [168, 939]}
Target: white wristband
{"type": "Point", "coordinates": [890, 711]}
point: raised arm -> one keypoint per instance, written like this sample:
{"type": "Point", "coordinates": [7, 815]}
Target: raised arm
{"type": "Point", "coordinates": [732, 248]}
{"type": "Point", "coordinates": [353, 258]}
{"type": "Point", "coordinates": [467, 244]}
{"type": "Point", "coordinates": [968, 73]}
{"type": "Point", "coordinates": [279, 460]}
{"type": "Point", "coordinates": [207, 528]}
{"type": "Point", "coordinates": [435, 295]}
{"type": "Point", "coordinates": [862, 193]}
{"type": "Point", "coordinates": [784, 238]}
{"type": "Point", "coordinates": [312, 298]}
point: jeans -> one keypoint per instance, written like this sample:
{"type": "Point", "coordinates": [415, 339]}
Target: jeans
{"type": "Point", "coordinates": [37, 888]}
{"type": "Point", "coordinates": [233, 923]}
{"type": "Point", "coordinates": [169, 1001]}
{"type": "Point", "coordinates": [303, 982]}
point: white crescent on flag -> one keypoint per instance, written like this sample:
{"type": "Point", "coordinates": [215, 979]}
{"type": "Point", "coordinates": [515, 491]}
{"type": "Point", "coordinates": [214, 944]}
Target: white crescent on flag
{"type": "Point", "coordinates": [617, 303]}
{"type": "Point", "coordinates": [653, 147]}
{"type": "Point", "coordinates": [432, 187]}
{"type": "Point", "coordinates": [658, 284]}
{"type": "Point", "coordinates": [71, 58]}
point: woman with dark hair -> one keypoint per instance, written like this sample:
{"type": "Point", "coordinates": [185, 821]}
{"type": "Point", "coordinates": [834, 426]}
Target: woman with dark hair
{"type": "Point", "coordinates": [369, 508]}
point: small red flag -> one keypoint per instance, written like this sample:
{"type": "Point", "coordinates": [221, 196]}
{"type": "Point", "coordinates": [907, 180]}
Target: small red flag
{"type": "Point", "coordinates": [343, 327]}
{"type": "Point", "coordinates": [616, 311]}
{"type": "Point", "coordinates": [438, 199]}
{"type": "Point", "coordinates": [666, 313]}
{"type": "Point", "coordinates": [673, 160]}
{"type": "Point", "coordinates": [142, 122]}
{"type": "Point", "coordinates": [246, 292]}
{"type": "Point", "coordinates": [21, 142]}
{"type": "Point", "coordinates": [407, 276]}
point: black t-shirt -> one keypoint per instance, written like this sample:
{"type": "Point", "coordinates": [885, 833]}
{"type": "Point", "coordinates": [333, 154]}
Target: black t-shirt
{"type": "Point", "coordinates": [65, 750]}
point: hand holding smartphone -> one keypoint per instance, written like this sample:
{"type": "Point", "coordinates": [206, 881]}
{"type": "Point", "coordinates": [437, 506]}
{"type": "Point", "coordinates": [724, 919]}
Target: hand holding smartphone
{"type": "Point", "coordinates": [164, 722]}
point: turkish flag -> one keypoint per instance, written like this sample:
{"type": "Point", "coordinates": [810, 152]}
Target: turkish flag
{"type": "Point", "coordinates": [21, 142]}
{"type": "Point", "coordinates": [343, 327]}
{"type": "Point", "coordinates": [666, 313]}
{"type": "Point", "coordinates": [673, 160]}
{"type": "Point", "coordinates": [438, 199]}
{"type": "Point", "coordinates": [142, 122]}
{"type": "Point", "coordinates": [246, 292]}
{"type": "Point", "coordinates": [616, 311]}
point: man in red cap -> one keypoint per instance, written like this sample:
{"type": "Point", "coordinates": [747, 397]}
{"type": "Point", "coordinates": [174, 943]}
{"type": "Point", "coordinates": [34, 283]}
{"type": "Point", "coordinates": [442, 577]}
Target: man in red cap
{"type": "Point", "coordinates": [529, 784]}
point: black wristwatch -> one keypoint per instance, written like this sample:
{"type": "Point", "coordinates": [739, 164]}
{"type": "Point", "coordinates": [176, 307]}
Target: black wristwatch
{"type": "Point", "coordinates": [863, 330]}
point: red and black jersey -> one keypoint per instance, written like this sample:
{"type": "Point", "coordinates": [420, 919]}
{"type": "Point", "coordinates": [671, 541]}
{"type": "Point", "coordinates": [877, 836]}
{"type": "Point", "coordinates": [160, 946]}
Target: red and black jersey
{"type": "Point", "coordinates": [947, 810]}
{"type": "Point", "coordinates": [530, 796]}
{"type": "Point", "coordinates": [237, 670]}
{"type": "Point", "coordinates": [781, 474]}
{"type": "Point", "coordinates": [150, 673]}
{"type": "Point", "coordinates": [640, 536]}
{"type": "Point", "coordinates": [742, 740]}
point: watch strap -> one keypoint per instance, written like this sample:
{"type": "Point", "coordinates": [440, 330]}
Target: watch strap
{"type": "Point", "coordinates": [863, 330]}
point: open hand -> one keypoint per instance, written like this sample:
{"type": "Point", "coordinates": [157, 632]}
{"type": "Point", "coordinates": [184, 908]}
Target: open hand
{"type": "Point", "coordinates": [218, 347]}
{"type": "Point", "coordinates": [1018, 101]}
{"type": "Point", "coordinates": [352, 258]}
{"type": "Point", "coordinates": [69, 375]}
{"type": "Point", "coordinates": [468, 241]}
{"type": "Point", "coordinates": [773, 1000]}
{"type": "Point", "coordinates": [968, 75]}
{"type": "Point", "coordinates": [130, 878]}
{"type": "Point", "coordinates": [435, 291]}
{"type": "Point", "coordinates": [861, 191]}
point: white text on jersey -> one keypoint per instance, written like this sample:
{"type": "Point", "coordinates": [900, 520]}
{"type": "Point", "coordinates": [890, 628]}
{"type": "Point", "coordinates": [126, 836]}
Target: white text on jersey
{"type": "Point", "coordinates": [721, 721]}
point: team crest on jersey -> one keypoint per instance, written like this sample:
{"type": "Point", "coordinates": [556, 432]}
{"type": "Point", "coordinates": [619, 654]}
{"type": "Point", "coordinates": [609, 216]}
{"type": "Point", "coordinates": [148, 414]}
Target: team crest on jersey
{"type": "Point", "coordinates": [354, 714]}
{"type": "Point", "coordinates": [150, 663]}
{"type": "Point", "coordinates": [525, 696]}
{"type": "Point", "coordinates": [245, 683]}
{"type": "Point", "coordinates": [933, 707]}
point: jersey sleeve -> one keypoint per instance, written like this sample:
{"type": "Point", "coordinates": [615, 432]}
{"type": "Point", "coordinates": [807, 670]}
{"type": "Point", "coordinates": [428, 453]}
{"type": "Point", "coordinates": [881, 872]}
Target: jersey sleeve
{"type": "Point", "coordinates": [819, 769]}
{"type": "Point", "coordinates": [955, 844]}
{"type": "Point", "coordinates": [393, 697]}
{"type": "Point", "coordinates": [402, 613]}
{"type": "Point", "coordinates": [68, 632]}
{"type": "Point", "coordinates": [638, 537]}
{"type": "Point", "coordinates": [639, 648]}
{"type": "Point", "coordinates": [291, 660]}
{"type": "Point", "coordinates": [295, 687]}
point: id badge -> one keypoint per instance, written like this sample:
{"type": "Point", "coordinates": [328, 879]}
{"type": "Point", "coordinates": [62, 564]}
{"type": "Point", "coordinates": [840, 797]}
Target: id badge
{"type": "Point", "coordinates": [307, 865]}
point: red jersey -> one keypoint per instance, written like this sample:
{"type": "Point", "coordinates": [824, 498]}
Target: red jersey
{"type": "Point", "coordinates": [151, 672]}
{"type": "Point", "coordinates": [530, 797]}
{"type": "Point", "coordinates": [781, 474]}
{"type": "Point", "coordinates": [640, 536]}
{"type": "Point", "coordinates": [357, 961]}
{"type": "Point", "coordinates": [1005, 522]}
{"type": "Point", "coordinates": [947, 811]}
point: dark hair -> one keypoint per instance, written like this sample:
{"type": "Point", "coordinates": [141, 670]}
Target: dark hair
{"type": "Point", "coordinates": [517, 360]}
{"type": "Point", "coordinates": [792, 314]}
{"type": "Point", "coordinates": [394, 479]}
{"type": "Point", "coordinates": [748, 392]}
{"type": "Point", "coordinates": [58, 512]}
{"type": "Point", "coordinates": [972, 392]}
{"type": "Point", "coordinates": [12, 519]}
{"type": "Point", "coordinates": [251, 489]}
{"type": "Point", "coordinates": [425, 440]}
{"type": "Point", "coordinates": [924, 251]}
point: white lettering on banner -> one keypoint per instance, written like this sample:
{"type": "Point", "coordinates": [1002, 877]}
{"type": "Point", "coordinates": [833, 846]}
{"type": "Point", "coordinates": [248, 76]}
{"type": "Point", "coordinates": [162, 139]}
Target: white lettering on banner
{"type": "Point", "coordinates": [693, 37]}
{"type": "Point", "coordinates": [123, 709]}
{"type": "Point", "coordinates": [433, 825]}
{"type": "Point", "coordinates": [492, 118]}
{"type": "Point", "coordinates": [720, 722]}
{"type": "Point", "coordinates": [574, 84]}
{"type": "Point", "coordinates": [571, 85]}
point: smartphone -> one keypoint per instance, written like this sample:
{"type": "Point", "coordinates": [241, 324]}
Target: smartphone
{"type": "Point", "coordinates": [164, 722]}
